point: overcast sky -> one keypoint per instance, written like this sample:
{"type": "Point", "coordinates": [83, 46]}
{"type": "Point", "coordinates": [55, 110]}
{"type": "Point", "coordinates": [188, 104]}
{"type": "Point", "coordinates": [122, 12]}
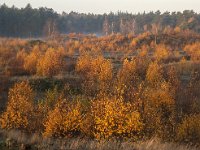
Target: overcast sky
{"type": "Point", "coordinates": [105, 6]}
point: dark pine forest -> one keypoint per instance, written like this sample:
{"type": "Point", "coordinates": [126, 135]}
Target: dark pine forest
{"type": "Point", "coordinates": [32, 22]}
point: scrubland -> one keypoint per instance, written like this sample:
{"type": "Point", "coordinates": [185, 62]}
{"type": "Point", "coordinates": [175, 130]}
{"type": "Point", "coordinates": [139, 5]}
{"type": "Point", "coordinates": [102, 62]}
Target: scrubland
{"type": "Point", "coordinates": [112, 92]}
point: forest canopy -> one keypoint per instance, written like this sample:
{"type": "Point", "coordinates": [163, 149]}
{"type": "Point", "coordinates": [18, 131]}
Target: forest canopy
{"type": "Point", "coordinates": [39, 22]}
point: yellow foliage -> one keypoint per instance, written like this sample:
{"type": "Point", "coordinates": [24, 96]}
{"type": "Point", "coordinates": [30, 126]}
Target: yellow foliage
{"type": "Point", "coordinates": [189, 129]}
{"type": "Point", "coordinates": [154, 74]}
{"type": "Point", "coordinates": [32, 59]}
{"type": "Point", "coordinates": [64, 120]}
{"type": "Point", "coordinates": [134, 42]}
{"type": "Point", "coordinates": [161, 53]}
{"type": "Point", "coordinates": [114, 118]}
{"type": "Point", "coordinates": [20, 58]}
{"type": "Point", "coordinates": [142, 97]}
{"type": "Point", "coordinates": [193, 50]}
{"type": "Point", "coordinates": [144, 51]}
{"type": "Point", "coordinates": [158, 110]}
{"type": "Point", "coordinates": [96, 72]}
{"type": "Point", "coordinates": [160, 95]}
{"type": "Point", "coordinates": [127, 79]}
{"type": "Point", "coordinates": [127, 71]}
{"type": "Point", "coordinates": [19, 109]}
{"type": "Point", "coordinates": [177, 29]}
{"type": "Point", "coordinates": [52, 63]}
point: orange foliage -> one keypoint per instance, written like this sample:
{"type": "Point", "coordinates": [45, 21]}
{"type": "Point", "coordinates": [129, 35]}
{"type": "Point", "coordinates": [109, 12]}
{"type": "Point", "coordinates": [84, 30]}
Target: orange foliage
{"type": "Point", "coordinates": [19, 108]}
{"type": "Point", "coordinates": [64, 121]}
{"type": "Point", "coordinates": [141, 95]}
{"type": "Point", "coordinates": [114, 118]}
{"type": "Point", "coordinates": [31, 60]}
{"type": "Point", "coordinates": [162, 53]}
{"type": "Point", "coordinates": [96, 72]}
{"type": "Point", "coordinates": [127, 79]}
{"type": "Point", "coordinates": [193, 50]}
{"type": "Point", "coordinates": [154, 74]}
{"type": "Point", "coordinates": [52, 63]}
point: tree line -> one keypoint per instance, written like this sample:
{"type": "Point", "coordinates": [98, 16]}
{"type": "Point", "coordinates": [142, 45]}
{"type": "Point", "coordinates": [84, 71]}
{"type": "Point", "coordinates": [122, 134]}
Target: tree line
{"type": "Point", "coordinates": [32, 22]}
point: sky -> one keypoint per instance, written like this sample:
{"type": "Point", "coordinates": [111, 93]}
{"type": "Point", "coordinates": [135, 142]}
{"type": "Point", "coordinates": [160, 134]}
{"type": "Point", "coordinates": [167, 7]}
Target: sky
{"type": "Point", "coordinates": [106, 6]}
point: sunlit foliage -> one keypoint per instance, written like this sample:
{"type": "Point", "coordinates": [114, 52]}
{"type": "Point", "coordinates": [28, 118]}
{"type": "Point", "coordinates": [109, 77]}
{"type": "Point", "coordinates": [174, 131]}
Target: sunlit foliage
{"type": "Point", "coordinates": [32, 59]}
{"type": "Point", "coordinates": [65, 120]}
{"type": "Point", "coordinates": [19, 109]}
{"type": "Point", "coordinates": [117, 87]}
{"type": "Point", "coordinates": [96, 72]}
{"type": "Point", "coordinates": [162, 53]}
{"type": "Point", "coordinates": [51, 63]}
{"type": "Point", "coordinates": [193, 50]}
{"type": "Point", "coordinates": [127, 79]}
{"type": "Point", "coordinates": [115, 118]}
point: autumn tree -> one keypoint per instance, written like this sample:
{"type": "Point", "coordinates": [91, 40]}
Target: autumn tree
{"type": "Point", "coordinates": [189, 129]}
{"type": "Point", "coordinates": [20, 58]}
{"type": "Point", "coordinates": [127, 79]}
{"type": "Point", "coordinates": [19, 108]}
{"type": "Point", "coordinates": [96, 72]}
{"type": "Point", "coordinates": [193, 50]}
{"type": "Point", "coordinates": [162, 53]}
{"type": "Point", "coordinates": [14, 63]}
{"type": "Point", "coordinates": [52, 63]}
{"type": "Point", "coordinates": [114, 118]}
{"type": "Point", "coordinates": [65, 120]}
{"type": "Point", "coordinates": [32, 59]}
{"type": "Point", "coordinates": [18, 63]}
{"type": "Point", "coordinates": [154, 74]}
{"type": "Point", "coordinates": [158, 103]}
{"type": "Point", "coordinates": [173, 79]}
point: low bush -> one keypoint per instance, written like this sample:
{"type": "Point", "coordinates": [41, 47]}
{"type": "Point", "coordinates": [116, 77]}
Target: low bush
{"type": "Point", "coordinates": [189, 130]}
{"type": "Point", "coordinates": [114, 118]}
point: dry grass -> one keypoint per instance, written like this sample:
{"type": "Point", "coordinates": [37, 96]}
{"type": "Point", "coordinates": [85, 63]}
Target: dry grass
{"type": "Point", "coordinates": [23, 141]}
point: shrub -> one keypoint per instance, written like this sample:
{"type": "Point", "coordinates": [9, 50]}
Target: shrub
{"type": "Point", "coordinates": [31, 60]}
{"type": "Point", "coordinates": [65, 120]}
{"type": "Point", "coordinates": [96, 73]}
{"type": "Point", "coordinates": [189, 129]}
{"type": "Point", "coordinates": [154, 74]}
{"type": "Point", "coordinates": [52, 63]}
{"type": "Point", "coordinates": [114, 118]}
{"type": "Point", "coordinates": [158, 108]}
{"type": "Point", "coordinates": [162, 53]}
{"type": "Point", "coordinates": [127, 80]}
{"type": "Point", "coordinates": [193, 50]}
{"type": "Point", "coordinates": [19, 108]}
